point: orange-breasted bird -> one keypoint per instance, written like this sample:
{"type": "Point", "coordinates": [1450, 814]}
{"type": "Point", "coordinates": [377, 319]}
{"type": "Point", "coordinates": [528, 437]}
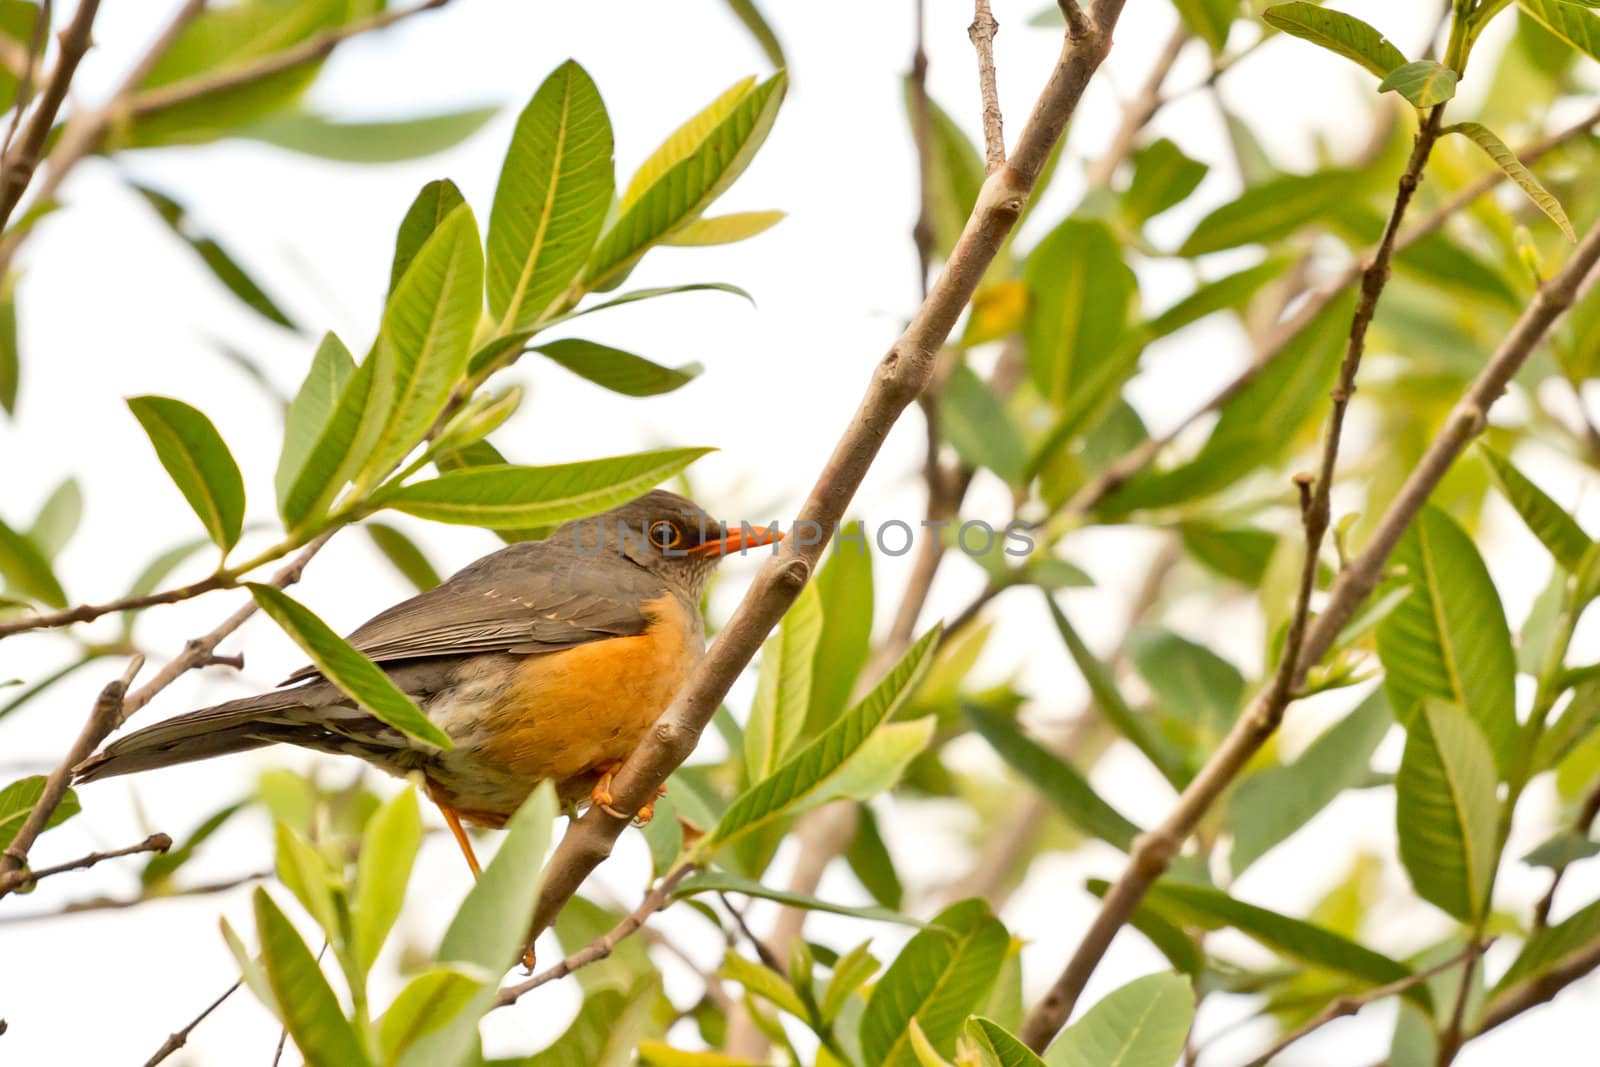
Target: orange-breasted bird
{"type": "Point", "coordinates": [547, 660]}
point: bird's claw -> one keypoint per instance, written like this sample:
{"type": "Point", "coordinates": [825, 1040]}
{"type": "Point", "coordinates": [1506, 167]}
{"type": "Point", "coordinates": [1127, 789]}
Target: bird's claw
{"type": "Point", "coordinates": [602, 798]}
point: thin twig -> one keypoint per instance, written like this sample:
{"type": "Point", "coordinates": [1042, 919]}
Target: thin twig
{"type": "Point", "coordinates": [30, 70]}
{"type": "Point", "coordinates": [900, 377]}
{"type": "Point", "coordinates": [1137, 112]}
{"type": "Point", "coordinates": [153, 843]}
{"type": "Point", "coordinates": [1349, 1005]}
{"type": "Point", "coordinates": [768, 960]}
{"type": "Point", "coordinates": [603, 946]}
{"type": "Point", "coordinates": [17, 166]}
{"type": "Point", "coordinates": [83, 907]}
{"type": "Point", "coordinates": [1154, 852]}
{"type": "Point", "coordinates": [179, 1038]}
{"type": "Point", "coordinates": [981, 33]}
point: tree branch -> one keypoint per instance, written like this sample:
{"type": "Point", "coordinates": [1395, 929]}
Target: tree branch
{"type": "Point", "coordinates": [1154, 852]}
{"type": "Point", "coordinates": [17, 166]}
{"type": "Point", "coordinates": [179, 1038]}
{"type": "Point", "coordinates": [1137, 112]}
{"type": "Point", "coordinates": [900, 377]}
{"type": "Point", "coordinates": [153, 843]}
{"type": "Point", "coordinates": [981, 33]}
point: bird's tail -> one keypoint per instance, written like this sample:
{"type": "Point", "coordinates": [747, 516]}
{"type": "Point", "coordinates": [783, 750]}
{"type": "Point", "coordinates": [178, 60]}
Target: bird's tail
{"type": "Point", "coordinates": [237, 726]}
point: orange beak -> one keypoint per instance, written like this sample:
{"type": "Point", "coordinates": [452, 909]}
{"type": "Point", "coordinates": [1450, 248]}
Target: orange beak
{"type": "Point", "coordinates": [737, 539]}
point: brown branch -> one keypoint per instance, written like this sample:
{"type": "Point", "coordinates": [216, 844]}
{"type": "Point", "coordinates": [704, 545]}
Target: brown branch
{"type": "Point", "coordinates": [981, 33]}
{"type": "Point", "coordinates": [153, 843]}
{"type": "Point", "coordinates": [179, 1038]}
{"type": "Point", "coordinates": [82, 907]}
{"type": "Point", "coordinates": [603, 946]}
{"type": "Point", "coordinates": [1349, 1005]}
{"type": "Point", "coordinates": [1137, 112]}
{"type": "Point", "coordinates": [16, 168]}
{"type": "Point", "coordinates": [900, 377]}
{"type": "Point", "coordinates": [1154, 852]}
{"type": "Point", "coordinates": [28, 69]}
{"type": "Point", "coordinates": [1538, 990]}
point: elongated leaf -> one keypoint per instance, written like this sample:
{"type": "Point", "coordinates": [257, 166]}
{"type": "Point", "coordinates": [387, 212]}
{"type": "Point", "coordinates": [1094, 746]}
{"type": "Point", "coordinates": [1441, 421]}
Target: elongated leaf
{"type": "Point", "coordinates": [1143, 1024]}
{"type": "Point", "coordinates": [1508, 162]}
{"type": "Point", "coordinates": [388, 849]}
{"type": "Point", "coordinates": [1190, 682]}
{"type": "Point", "coordinates": [198, 461]}
{"type": "Point", "coordinates": [606, 1031]}
{"type": "Point", "coordinates": [384, 141]}
{"type": "Point", "coordinates": [1448, 639]}
{"type": "Point", "coordinates": [1578, 28]}
{"type": "Point", "coordinates": [1209, 20]}
{"type": "Point", "coordinates": [250, 968]}
{"type": "Point", "coordinates": [1424, 82]}
{"type": "Point", "coordinates": [808, 771]}
{"type": "Point", "coordinates": [18, 799]}
{"type": "Point", "coordinates": [163, 865]}
{"type": "Point", "coordinates": [997, 1046]}
{"type": "Point", "coordinates": [428, 1002]}
{"type": "Point", "coordinates": [1295, 938]}
{"type": "Point", "coordinates": [1241, 552]}
{"type": "Point", "coordinates": [23, 697]}
{"type": "Point", "coordinates": [1270, 212]}
{"type": "Point", "coordinates": [310, 1011]}
{"type": "Point", "coordinates": [1274, 803]}
{"type": "Point", "coordinates": [941, 976]}
{"type": "Point", "coordinates": [1170, 939]}
{"type": "Point", "coordinates": [309, 417]}
{"type": "Point", "coordinates": [676, 185]}
{"type": "Point", "coordinates": [512, 496]}
{"type": "Point", "coordinates": [844, 583]}
{"type": "Point", "coordinates": [1446, 810]}
{"type": "Point", "coordinates": [648, 294]}
{"type": "Point", "coordinates": [338, 661]}
{"type": "Point", "coordinates": [433, 205]}
{"type": "Point", "coordinates": [766, 983]}
{"type": "Point", "coordinates": [1110, 703]}
{"type": "Point", "coordinates": [58, 518]}
{"type": "Point", "coordinates": [1080, 295]}
{"type": "Point", "coordinates": [953, 169]}
{"type": "Point", "coordinates": [726, 229]}
{"type": "Point", "coordinates": [1551, 947]}
{"type": "Point", "coordinates": [26, 571]}
{"type": "Point", "coordinates": [1163, 177]}
{"type": "Point", "coordinates": [783, 687]}
{"type": "Point", "coordinates": [1337, 32]}
{"type": "Point", "coordinates": [403, 552]}
{"type": "Point", "coordinates": [974, 421]}
{"type": "Point", "coordinates": [1055, 779]}
{"type": "Point", "coordinates": [554, 190]}
{"type": "Point", "coordinates": [682, 142]}
{"type": "Point", "coordinates": [1256, 424]}
{"type": "Point", "coordinates": [616, 370]}
{"type": "Point", "coordinates": [426, 335]}
{"type": "Point", "coordinates": [223, 266]}
{"type": "Point", "coordinates": [1549, 522]}
{"type": "Point", "coordinates": [871, 863]}
{"type": "Point", "coordinates": [321, 456]}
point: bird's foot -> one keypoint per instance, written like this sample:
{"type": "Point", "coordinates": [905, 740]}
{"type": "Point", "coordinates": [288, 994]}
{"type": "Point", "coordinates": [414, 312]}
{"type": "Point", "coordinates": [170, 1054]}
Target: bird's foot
{"type": "Point", "coordinates": [602, 798]}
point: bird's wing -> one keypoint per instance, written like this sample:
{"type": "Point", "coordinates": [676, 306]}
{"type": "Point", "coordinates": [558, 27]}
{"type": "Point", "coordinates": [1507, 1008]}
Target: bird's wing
{"type": "Point", "coordinates": [528, 598]}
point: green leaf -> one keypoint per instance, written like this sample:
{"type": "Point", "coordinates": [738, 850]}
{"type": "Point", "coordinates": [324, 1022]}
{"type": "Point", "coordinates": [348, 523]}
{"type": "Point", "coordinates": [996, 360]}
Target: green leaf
{"type": "Point", "coordinates": [309, 1009]}
{"type": "Point", "coordinates": [428, 1002]}
{"type": "Point", "coordinates": [1209, 20]}
{"type": "Point", "coordinates": [1238, 552]}
{"type": "Point", "coordinates": [750, 15]}
{"type": "Point", "coordinates": [1163, 177]}
{"type": "Point", "coordinates": [1272, 804]}
{"type": "Point", "coordinates": [1578, 28]}
{"type": "Point", "coordinates": [1337, 32]}
{"type": "Point", "coordinates": [974, 421]}
{"type": "Point", "coordinates": [783, 687]}
{"type": "Point", "coordinates": [766, 983]}
{"type": "Point", "coordinates": [198, 461]}
{"type": "Point", "coordinates": [381, 141]}
{"type": "Point", "coordinates": [871, 863]}
{"type": "Point", "coordinates": [58, 518]}
{"type": "Point", "coordinates": [850, 972]}
{"type": "Point", "coordinates": [1446, 810]}
{"type": "Point", "coordinates": [1547, 520]}
{"type": "Point", "coordinates": [1143, 1024]}
{"type": "Point", "coordinates": [305, 872]}
{"type": "Point", "coordinates": [555, 188]}
{"type": "Point", "coordinates": [512, 496]}
{"type": "Point", "coordinates": [1562, 850]}
{"type": "Point", "coordinates": [1267, 213]}
{"type": "Point", "coordinates": [1055, 779]}
{"type": "Point", "coordinates": [1189, 681]}
{"type": "Point", "coordinates": [1256, 424]}
{"type": "Point", "coordinates": [941, 976]}
{"type": "Point", "coordinates": [1449, 639]}
{"type": "Point", "coordinates": [1549, 948]}
{"type": "Point", "coordinates": [807, 775]}
{"type": "Point", "coordinates": [1295, 938]}
{"type": "Point", "coordinates": [338, 661]}
{"type": "Point", "coordinates": [684, 176]}
{"type": "Point", "coordinates": [39, 687]}
{"type": "Point", "coordinates": [26, 571]}
{"type": "Point", "coordinates": [250, 968]}
{"type": "Point", "coordinates": [1080, 295]}
{"type": "Point", "coordinates": [725, 229]}
{"type": "Point", "coordinates": [1137, 728]}
{"type": "Point", "coordinates": [616, 370]}
{"type": "Point", "coordinates": [426, 336]}
{"type": "Point", "coordinates": [311, 432]}
{"type": "Point", "coordinates": [403, 552]}
{"type": "Point", "coordinates": [163, 865]}
{"type": "Point", "coordinates": [606, 1031]}
{"type": "Point", "coordinates": [10, 358]}
{"type": "Point", "coordinates": [1424, 82]}
{"type": "Point", "coordinates": [1508, 162]}
{"type": "Point", "coordinates": [389, 847]}
{"type": "Point", "coordinates": [844, 584]}
{"type": "Point", "coordinates": [997, 1046]}
{"type": "Point", "coordinates": [636, 295]}
{"type": "Point", "coordinates": [222, 265]}
{"type": "Point", "coordinates": [955, 170]}
{"type": "Point", "coordinates": [17, 800]}
{"type": "Point", "coordinates": [433, 205]}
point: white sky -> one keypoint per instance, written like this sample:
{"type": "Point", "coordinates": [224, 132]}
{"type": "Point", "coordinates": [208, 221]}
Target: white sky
{"type": "Point", "coordinates": [113, 307]}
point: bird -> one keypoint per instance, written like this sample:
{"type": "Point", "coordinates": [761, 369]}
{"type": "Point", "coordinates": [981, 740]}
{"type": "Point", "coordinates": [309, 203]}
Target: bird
{"type": "Point", "coordinates": [544, 661]}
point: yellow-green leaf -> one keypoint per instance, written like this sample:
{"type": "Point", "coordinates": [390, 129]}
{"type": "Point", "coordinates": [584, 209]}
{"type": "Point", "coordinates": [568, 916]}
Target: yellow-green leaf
{"type": "Point", "coordinates": [1508, 162]}
{"type": "Point", "coordinates": [726, 229]}
{"type": "Point", "coordinates": [198, 460]}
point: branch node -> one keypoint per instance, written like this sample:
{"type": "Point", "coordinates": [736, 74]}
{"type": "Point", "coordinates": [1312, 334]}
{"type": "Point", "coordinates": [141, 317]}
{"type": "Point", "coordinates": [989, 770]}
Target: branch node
{"type": "Point", "coordinates": [1153, 853]}
{"type": "Point", "coordinates": [1079, 27]}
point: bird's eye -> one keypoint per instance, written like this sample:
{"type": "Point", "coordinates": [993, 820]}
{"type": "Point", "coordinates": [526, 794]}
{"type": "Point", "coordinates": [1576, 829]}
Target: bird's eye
{"type": "Point", "coordinates": [665, 535]}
